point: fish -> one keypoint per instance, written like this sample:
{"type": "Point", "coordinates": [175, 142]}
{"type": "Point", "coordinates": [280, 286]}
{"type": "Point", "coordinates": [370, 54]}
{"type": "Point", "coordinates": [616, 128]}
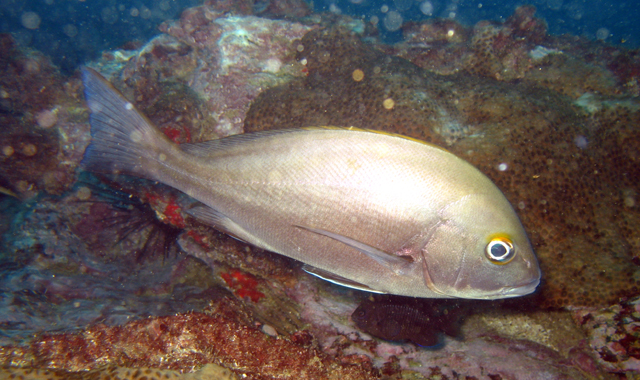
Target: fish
{"type": "Point", "coordinates": [369, 210]}
{"type": "Point", "coordinates": [416, 320]}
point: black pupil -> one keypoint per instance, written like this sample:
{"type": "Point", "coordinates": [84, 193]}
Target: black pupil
{"type": "Point", "coordinates": [498, 250]}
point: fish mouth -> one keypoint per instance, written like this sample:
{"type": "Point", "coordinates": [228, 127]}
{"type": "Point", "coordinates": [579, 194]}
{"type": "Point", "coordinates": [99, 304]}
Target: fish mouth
{"type": "Point", "coordinates": [520, 289]}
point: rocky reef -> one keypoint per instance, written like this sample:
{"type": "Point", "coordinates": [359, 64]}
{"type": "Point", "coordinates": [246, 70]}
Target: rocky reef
{"type": "Point", "coordinates": [107, 277]}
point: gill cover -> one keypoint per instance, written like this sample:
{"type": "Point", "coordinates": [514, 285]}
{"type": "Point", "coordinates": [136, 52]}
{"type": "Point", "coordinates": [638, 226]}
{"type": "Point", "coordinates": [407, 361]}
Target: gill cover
{"type": "Point", "coordinates": [479, 250]}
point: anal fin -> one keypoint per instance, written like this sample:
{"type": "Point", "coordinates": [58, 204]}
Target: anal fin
{"type": "Point", "coordinates": [338, 280]}
{"type": "Point", "coordinates": [219, 221]}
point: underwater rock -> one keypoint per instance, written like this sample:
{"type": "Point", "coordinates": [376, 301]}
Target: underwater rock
{"type": "Point", "coordinates": [350, 84]}
{"type": "Point", "coordinates": [208, 371]}
{"type": "Point", "coordinates": [222, 335]}
{"type": "Point", "coordinates": [614, 335]}
{"type": "Point", "coordinates": [512, 50]}
{"type": "Point", "coordinates": [243, 55]}
{"type": "Point", "coordinates": [39, 141]}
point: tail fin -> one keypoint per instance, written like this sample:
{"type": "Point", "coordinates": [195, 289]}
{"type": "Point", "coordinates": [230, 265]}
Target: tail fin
{"type": "Point", "coordinates": [123, 140]}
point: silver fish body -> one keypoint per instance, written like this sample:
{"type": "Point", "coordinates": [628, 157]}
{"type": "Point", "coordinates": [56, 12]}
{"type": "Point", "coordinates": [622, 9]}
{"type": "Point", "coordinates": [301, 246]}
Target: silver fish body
{"type": "Point", "coordinates": [373, 211]}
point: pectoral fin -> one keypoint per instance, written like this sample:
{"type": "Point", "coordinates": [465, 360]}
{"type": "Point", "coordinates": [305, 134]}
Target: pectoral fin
{"type": "Point", "coordinates": [396, 263]}
{"type": "Point", "coordinates": [338, 280]}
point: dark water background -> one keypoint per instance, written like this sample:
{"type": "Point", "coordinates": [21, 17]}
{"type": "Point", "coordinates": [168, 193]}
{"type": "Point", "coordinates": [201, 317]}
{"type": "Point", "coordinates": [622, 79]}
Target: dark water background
{"type": "Point", "coordinates": [72, 32]}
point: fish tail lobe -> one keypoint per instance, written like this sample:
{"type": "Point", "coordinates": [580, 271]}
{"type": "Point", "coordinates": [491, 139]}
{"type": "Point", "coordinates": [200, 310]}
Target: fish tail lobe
{"type": "Point", "coordinates": [123, 140]}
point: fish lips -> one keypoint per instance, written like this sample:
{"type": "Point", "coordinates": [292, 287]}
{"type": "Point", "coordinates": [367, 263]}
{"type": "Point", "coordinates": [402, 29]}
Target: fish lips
{"type": "Point", "coordinates": [521, 289]}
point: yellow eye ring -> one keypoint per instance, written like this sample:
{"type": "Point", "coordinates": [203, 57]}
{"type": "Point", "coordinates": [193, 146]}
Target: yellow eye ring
{"type": "Point", "coordinates": [500, 250]}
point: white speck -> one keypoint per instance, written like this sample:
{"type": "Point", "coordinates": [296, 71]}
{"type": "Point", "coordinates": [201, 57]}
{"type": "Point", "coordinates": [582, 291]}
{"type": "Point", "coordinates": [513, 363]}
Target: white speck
{"type": "Point", "coordinates": [70, 30]}
{"type": "Point", "coordinates": [403, 5]}
{"type": "Point", "coordinates": [581, 142]}
{"type": "Point", "coordinates": [629, 201]}
{"type": "Point", "coordinates": [554, 4]}
{"type": "Point", "coordinates": [30, 20]}
{"type": "Point", "coordinates": [269, 330]}
{"type": "Point", "coordinates": [162, 157]}
{"type": "Point", "coordinates": [384, 9]}
{"type": "Point", "coordinates": [272, 65]}
{"type": "Point", "coordinates": [136, 136]}
{"type": "Point", "coordinates": [128, 106]}
{"type": "Point", "coordinates": [521, 205]}
{"type": "Point", "coordinates": [503, 166]}
{"type": "Point", "coordinates": [540, 52]}
{"type": "Point", "coordinates": [392, 21]}
{"type": "Point", "coordinates": [426, 8]}
{"type": "Point", "coordinates": [602, 34]}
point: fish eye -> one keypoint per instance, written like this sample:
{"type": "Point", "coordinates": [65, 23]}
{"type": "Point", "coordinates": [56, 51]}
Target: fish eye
{"type": "Point", "coordinates": [500, 250]}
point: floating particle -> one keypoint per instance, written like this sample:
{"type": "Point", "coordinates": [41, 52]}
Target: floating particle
{"type": "Point", "coordinates": [392, 21]}
{"type": "Point", "coordinates": [46, 118]}
{"type": "Point", "coordinates": [269, 330]}
{"type": "Point", "coordinates": [384, 9]}
{"type": "Point", "coordinates": [602, 34]}
{"type": "Point", "coordinates": [357, 75]}
{"type": "Point", "coordinates": [388, 103]}
{"type": "Point", "coordinates": [30, 20]}
{"type": "Point", "coordinates": [70, 30]}
{"type": "Point", "coordinates": [426, 7]}
{"type": "Point", "coordinates": [23, 186]}
{"type": "Point", "coordinates": [521, 205]}
{"type": "Point", "coordinates": [403, 5]}
{"type": "Point", "coordinates": [109, 16]}
{"type": "Point", "coordinates": [134, 12]}
{"type": "Point", "coordinates": [335, 9]}
{"type": "Point", "coordinates": [272, 65]}
{"type": "Point", "coordinates": [554, 4]}
{"type": "Point", "coordinates": [300, 48]}
{"type": "Point", "coordinates": [575, 10]}
{"type": "Point", "coordinates": [7, 150]}
{"type": "Point", "coordinates": [581, 142]}
{"type": "Point", "coordinates": [374, 20]}
{"type": "Point", "coordinates": [629, 201]}
{"type": "Point", "coordinates": [29, 150]}
{"type": "Point", "coordinates": [145, 12]}
{"type": "Point", "coordinates": [83, 193]}
{"type": "Point", "coordinates": [503, 166]}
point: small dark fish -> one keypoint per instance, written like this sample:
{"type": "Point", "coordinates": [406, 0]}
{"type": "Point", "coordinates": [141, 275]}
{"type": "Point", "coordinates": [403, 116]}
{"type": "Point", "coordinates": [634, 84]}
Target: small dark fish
{"type": "Point", "coordinates": [403, 319]}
